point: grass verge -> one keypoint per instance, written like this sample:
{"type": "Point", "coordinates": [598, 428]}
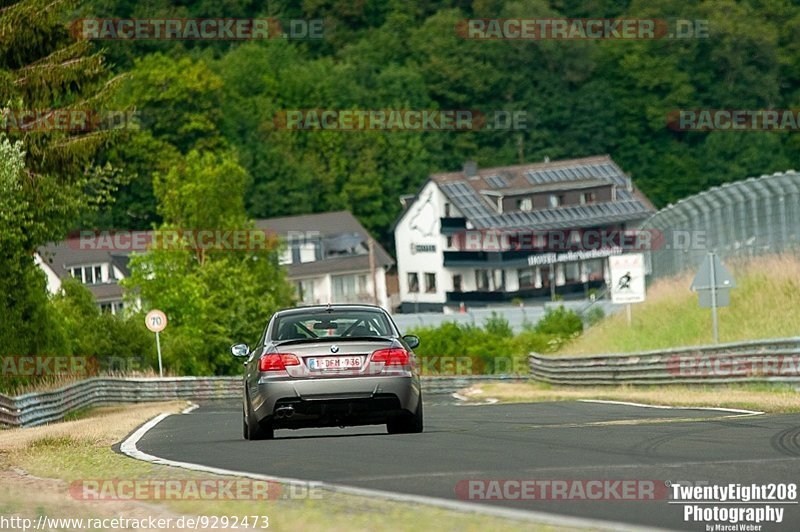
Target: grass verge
{"type": "Point", "coordinates": [771, 399]}
{"type": "Point", "coordinates": [37, 465]}
{"type": "Point", "coordinates": [766, 304]}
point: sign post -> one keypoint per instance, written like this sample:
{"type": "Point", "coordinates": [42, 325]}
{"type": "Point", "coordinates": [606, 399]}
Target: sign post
{"type": "Point", "coordinates": [627, 280]}
{"type": "Point", "coordinates": [712, 284]}
{"type": "Point", "coordinates": [156, 321]}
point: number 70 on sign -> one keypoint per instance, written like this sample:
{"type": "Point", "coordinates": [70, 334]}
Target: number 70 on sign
{"type": "Point", "coordinates": [156, 321]}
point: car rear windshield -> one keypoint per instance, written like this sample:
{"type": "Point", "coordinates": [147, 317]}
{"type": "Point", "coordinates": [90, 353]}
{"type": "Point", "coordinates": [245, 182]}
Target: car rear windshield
{"type": "Point", "coordinates": [330, 324]}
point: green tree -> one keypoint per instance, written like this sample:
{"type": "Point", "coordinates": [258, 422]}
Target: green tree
{"type": "Point", "coordinates": [47, 177]}
{"type": "Point", "coordinates": [213, 297]}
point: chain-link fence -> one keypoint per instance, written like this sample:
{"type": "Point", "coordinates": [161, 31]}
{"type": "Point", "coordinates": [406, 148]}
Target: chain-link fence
{"type": "Point", "coordinates": [757, 216]}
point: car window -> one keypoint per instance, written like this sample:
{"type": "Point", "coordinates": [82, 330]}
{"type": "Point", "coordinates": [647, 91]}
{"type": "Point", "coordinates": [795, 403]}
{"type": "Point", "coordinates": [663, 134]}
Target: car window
{"type": "Point", "coordinates": [330, 324]}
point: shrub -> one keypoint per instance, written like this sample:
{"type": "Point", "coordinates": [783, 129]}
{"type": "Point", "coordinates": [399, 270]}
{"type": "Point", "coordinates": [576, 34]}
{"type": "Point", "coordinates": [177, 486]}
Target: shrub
{"type": "Point", "coordinates": [561, 322]}
{"type": "Point", "coordinates": [497, 325]}
{"type": "Point", "coordinates": [594, 316]}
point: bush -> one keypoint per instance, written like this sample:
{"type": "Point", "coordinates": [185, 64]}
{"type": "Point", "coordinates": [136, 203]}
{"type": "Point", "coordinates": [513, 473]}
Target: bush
{"type": "Point", "coordinates": [595, 316]}
{"type": "Point", "coordinates": [561, 323]}
{"type": "Point", "coordinates": [497, 325]}
{"type": "Point", "coordinates": [494, 348]}
{"type": "Point", "coordinates": [117, 343]}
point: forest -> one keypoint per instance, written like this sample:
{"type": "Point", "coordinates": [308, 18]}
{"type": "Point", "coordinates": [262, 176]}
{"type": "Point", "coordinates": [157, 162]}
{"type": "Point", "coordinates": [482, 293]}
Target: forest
{"type": "Point", "coordinates": [205, 149]}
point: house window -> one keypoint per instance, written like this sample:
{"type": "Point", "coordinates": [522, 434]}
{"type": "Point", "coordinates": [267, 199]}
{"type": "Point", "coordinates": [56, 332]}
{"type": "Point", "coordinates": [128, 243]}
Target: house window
{"type": "Point", "coordinates": [447, 210]}
{"type": "Point", "coordinates": [572, 272]}
{"type": "Point", "coordinates": [588, 197]}
{"type": "Point", "coordinates": [482, 279]}
{"type": "Point", "coordinates": [88, 274]}
{"type": "Point", "coordinates": [362, 285]}
{"type": "Point", "coordinates": [524, 204]}
{"type": "Point", "coordinates": [430, 283]}
{"type": "Point", "coordinates": [113, 307]}
{"type": "Point", "coordinates": [457, 282]}
{"type": "Point", "coordinates": [556, 200]}
{"type": "Point", "coordinates": [449, 242]}
{"type": "Point", "coordinates": [594, 269]}
{"type": "Point", "coordinates": [305, 290]}
{"type": "Point", "coordinates": [413, 282]}
{"type": "Point", "coordinates": [295, 254]}
{"type": "Point", "coordinates": [526, 278]}
{"type": "Point", "coordinates": [500, 280]}
{"type": "Point", "coordinates": [344, 287]}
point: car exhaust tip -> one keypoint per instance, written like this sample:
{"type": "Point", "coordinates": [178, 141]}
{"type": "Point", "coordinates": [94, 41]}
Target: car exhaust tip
{"type": "Point", "coordinates": [284, 412]}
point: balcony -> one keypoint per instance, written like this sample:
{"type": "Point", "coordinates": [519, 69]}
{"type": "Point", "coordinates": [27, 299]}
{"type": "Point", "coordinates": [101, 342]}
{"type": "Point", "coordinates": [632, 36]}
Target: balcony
{"type": "Point", "coordinates": [452, 225]}
{"type": "Point", "coordinates": [484, 259]}
{"type": "Point", "coordinates": [576, 290]}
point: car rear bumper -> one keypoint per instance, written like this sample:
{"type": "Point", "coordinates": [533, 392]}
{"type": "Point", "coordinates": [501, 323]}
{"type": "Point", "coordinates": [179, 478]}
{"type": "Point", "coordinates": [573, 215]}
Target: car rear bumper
{"type": "Point", "coordinates": [336, 401]}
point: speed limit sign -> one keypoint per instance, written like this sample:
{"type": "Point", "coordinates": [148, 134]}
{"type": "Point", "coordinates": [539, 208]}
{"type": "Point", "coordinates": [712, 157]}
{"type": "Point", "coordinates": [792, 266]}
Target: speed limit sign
{"type": "Point", "coordinates": [156, 321]}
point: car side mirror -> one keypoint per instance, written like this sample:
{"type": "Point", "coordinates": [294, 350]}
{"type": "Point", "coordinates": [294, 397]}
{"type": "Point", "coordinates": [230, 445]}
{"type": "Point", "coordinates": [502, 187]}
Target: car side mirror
{"type": "Point", "coordinates": [411, 340]}
{"type": "Point", "coordinates": [240, 350]}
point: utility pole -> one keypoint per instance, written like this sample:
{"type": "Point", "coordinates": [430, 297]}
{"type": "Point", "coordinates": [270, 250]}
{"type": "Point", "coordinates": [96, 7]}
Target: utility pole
{"type": "Point", "coordinates": [714, 322]}
{"type": "Point", "coordinates": [371, 244]}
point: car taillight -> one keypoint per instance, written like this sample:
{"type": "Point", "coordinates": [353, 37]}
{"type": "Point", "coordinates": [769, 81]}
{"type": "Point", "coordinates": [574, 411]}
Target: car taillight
{"type": "Point", "coordinates": [277, 361]}
{"type": "Point", "coordinates": [395, 356]}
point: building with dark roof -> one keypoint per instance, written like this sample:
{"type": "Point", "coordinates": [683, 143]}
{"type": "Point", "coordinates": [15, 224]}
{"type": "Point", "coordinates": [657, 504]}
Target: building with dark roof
{"type": "Point", "coordinates": [99, 268]}
{"type": "Point", "coordinates": [329, 257]}
{"type": "Point", "coordinates": [482, 236]}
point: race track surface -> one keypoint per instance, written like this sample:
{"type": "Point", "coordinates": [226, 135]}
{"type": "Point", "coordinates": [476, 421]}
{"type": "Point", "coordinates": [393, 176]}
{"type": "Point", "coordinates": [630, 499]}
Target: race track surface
{"type": "Point", "coordinates": [572, 441]}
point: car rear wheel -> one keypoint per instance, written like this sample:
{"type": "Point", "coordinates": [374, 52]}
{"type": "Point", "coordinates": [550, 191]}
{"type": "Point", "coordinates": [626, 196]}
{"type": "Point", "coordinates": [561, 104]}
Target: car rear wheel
{"type": "Point", "coordinates": [252, 429]}
{"type": "Point", "coordinates": [408, 423]}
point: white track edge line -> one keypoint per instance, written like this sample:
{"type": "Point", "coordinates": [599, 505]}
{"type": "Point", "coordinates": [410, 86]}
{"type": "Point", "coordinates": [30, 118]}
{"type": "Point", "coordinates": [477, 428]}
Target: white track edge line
{"type": "Point", "coordinates": [666, 407]}
{"type": "Point", "coordinates": [189, 409]}
{"type": "Point", "coordinates": [128, 447]}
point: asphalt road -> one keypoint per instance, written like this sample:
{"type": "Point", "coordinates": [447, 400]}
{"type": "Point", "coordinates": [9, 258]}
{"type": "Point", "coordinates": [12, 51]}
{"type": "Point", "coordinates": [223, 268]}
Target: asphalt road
{"type": "Point", "coordinates": [569, 441]}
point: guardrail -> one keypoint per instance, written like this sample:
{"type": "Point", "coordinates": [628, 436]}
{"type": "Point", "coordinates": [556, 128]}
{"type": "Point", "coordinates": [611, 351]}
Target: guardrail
{"type": "Point", "coordinates": [775, 360]}
{"type": "Point", "coordinates": [33, 409]}
{"type": "Point", "coordinates": [757, 361]}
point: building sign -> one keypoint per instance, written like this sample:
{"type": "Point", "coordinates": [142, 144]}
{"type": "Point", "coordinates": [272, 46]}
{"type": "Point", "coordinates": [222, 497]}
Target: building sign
{"type": "Point", "coordinates": [627, 278]}
{"type": "Point", "coordinates": [422, 248]}
{"type": "Point", "coordinates": [544, 259]}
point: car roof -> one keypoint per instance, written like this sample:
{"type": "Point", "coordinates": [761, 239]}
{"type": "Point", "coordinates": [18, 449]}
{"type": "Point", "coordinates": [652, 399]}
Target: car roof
{"type": "Point", "coordinates": [322, 308]}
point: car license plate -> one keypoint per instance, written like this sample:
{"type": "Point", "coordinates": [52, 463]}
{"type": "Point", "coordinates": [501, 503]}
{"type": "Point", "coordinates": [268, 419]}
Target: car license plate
{"type": "Point", "coordinates": [335, 363]}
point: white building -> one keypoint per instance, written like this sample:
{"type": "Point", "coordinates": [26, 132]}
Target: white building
{"type": "Point", "coordinates": [493, 235]}
{"type": "Point", "coordinates": [100, 270]}
{"type": "Point", "coordinates": [328, 258]}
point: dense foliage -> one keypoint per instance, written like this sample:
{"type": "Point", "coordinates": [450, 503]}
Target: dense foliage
{"type": "Point", "coordinates": [492, 347]}
{"type": "Point", "coordinates": [581, 97]}
{"type": "Point", "coordinates": [206, 150]}
{"type": "Point", "coordinates": [177, 167]}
